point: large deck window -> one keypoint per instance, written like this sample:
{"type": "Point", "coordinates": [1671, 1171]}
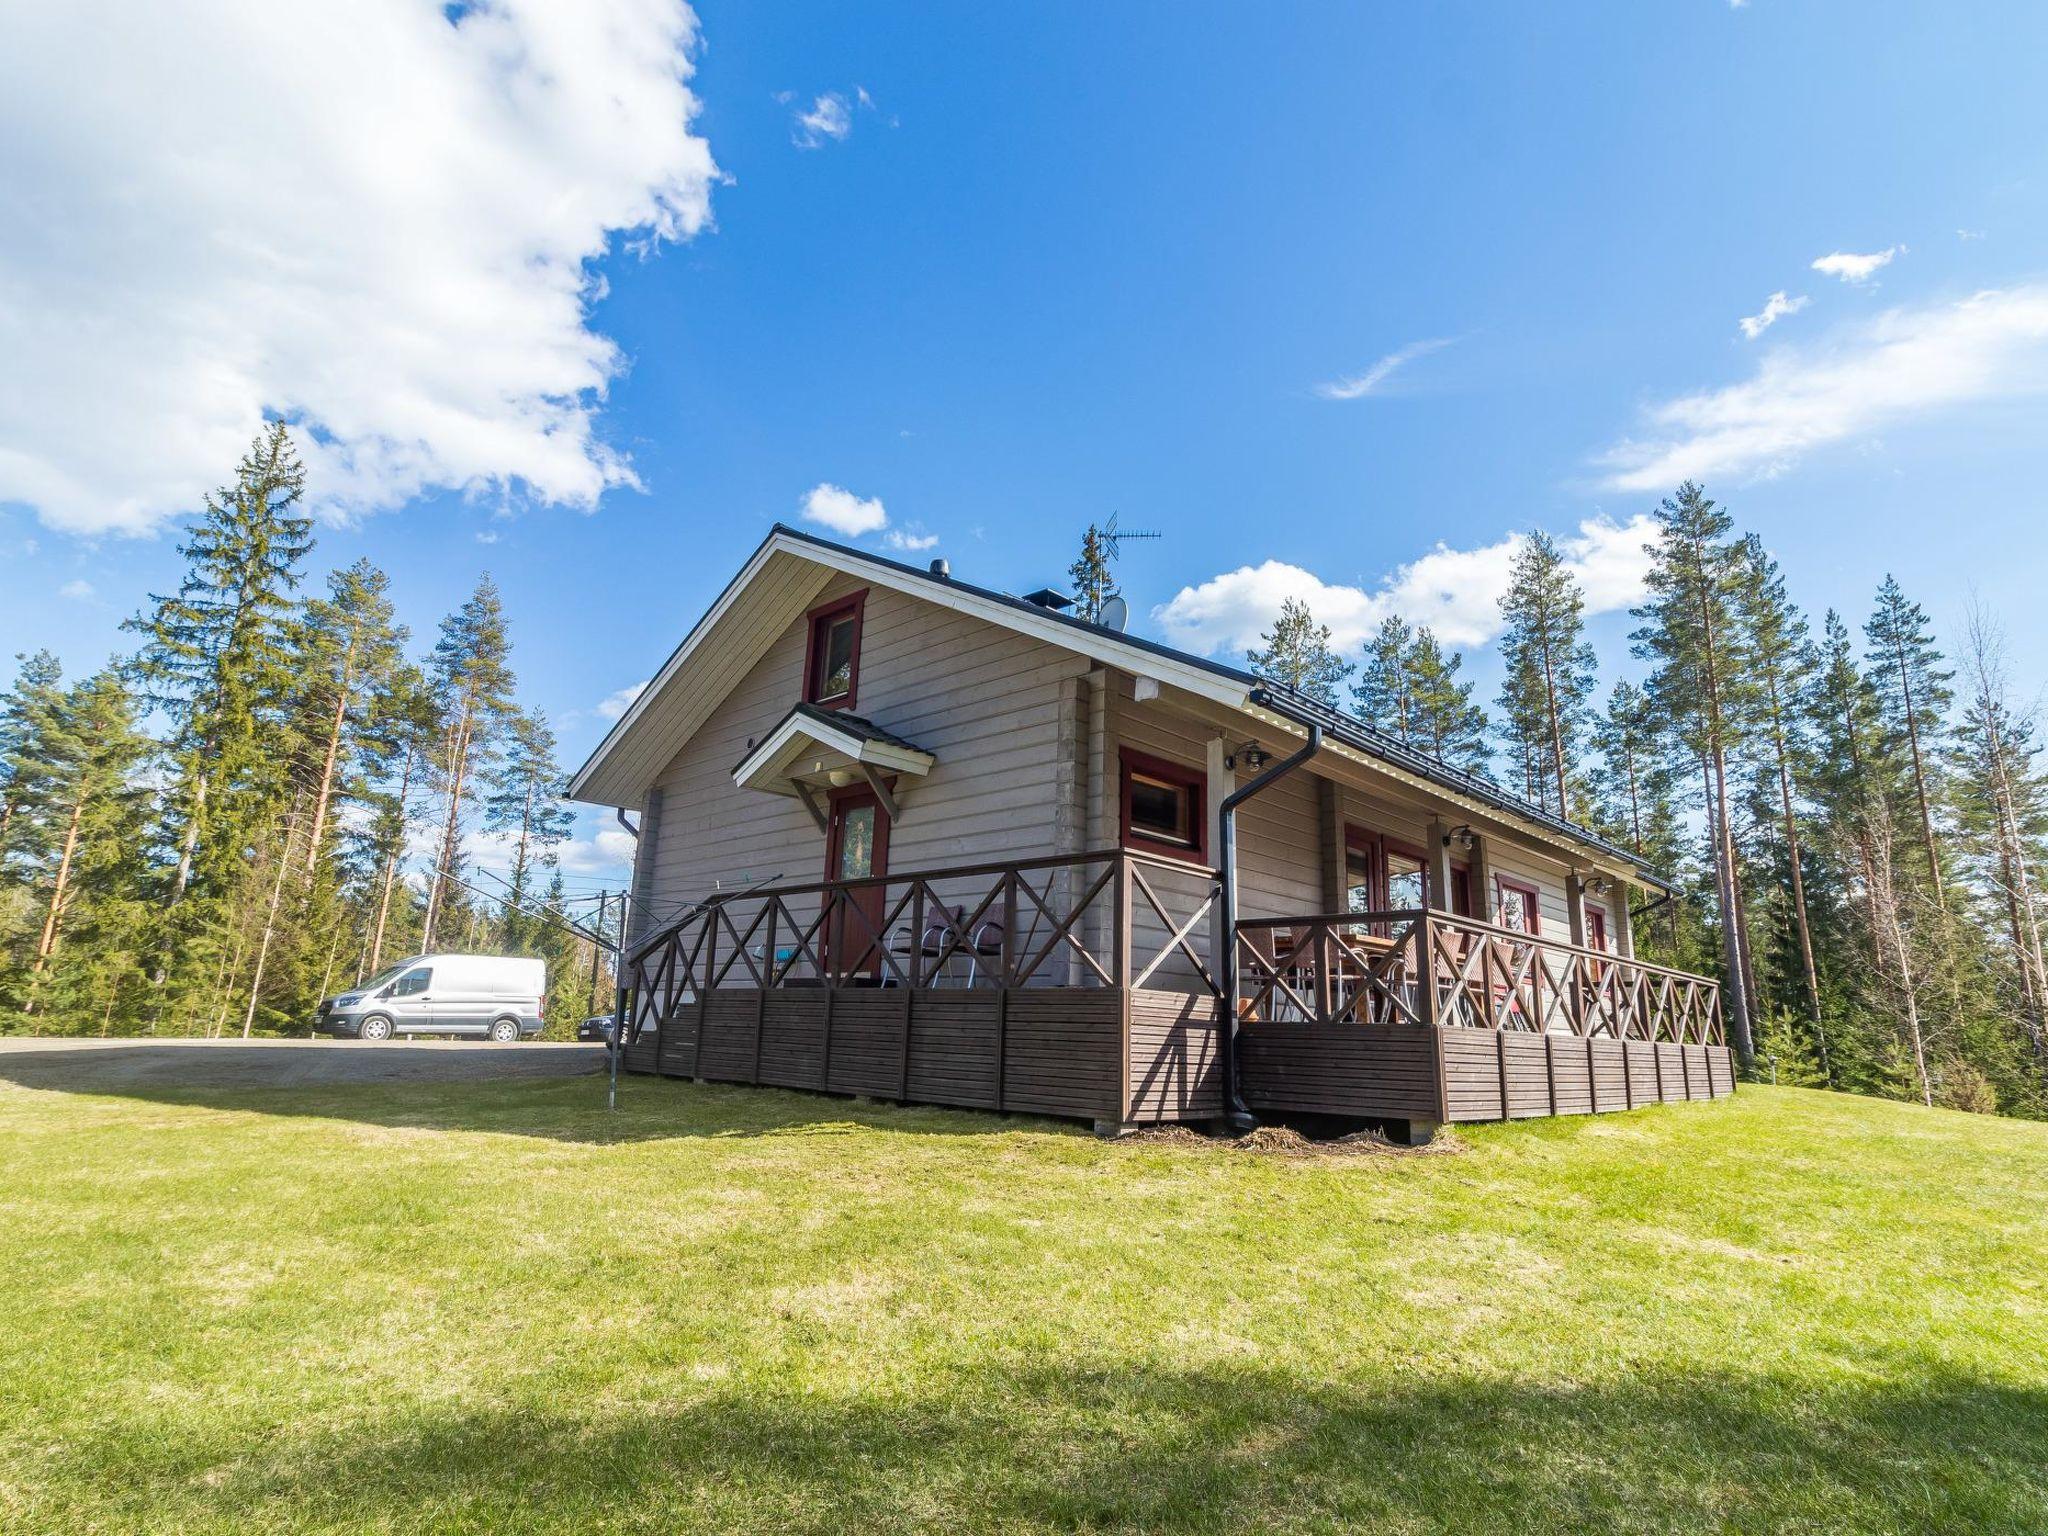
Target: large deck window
{"type": "Point", "coordinates": [1516, 902]}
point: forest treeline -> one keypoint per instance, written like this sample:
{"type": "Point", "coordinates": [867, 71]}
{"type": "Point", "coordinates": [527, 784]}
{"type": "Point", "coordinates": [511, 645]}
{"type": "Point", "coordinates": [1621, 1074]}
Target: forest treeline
{"type": "Point", "coordinates": [274, 794]}
{"type": "Point", "coordinates": [1856, 823]}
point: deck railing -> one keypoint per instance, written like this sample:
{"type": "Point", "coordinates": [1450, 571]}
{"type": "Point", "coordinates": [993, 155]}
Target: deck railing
{"type": "Point", "coordinates": [1111, 918]}
{"type": "Point", "coordinates": [1433, 968]}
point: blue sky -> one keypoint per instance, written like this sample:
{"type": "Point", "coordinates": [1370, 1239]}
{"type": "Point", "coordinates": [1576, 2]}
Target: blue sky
{"type": "Point", "coordinates": [1312, 291]}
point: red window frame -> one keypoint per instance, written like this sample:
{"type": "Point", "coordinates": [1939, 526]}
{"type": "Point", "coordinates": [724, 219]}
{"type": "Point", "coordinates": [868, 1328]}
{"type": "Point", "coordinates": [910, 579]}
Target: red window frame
{"type": "Point", "coordinates": [1530, 896]}
{"type": "Point", "coordinates": [1596, 928]}
{"type": "Point", "coordinates": [817, 624]}
{"type": "Point", "coordinates": [1189, 780]}
{"type": "Point", "coordinates": [1381, 848]}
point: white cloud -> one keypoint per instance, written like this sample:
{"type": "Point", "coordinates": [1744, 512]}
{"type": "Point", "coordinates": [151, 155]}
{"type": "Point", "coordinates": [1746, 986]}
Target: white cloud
{"type": "Point", "coordinates": [79, 590]}
{"type": "Point", "coordinates": [910, 543]}
{"type": "Point", "coordinates": [614, 705]}
{"type": "Point", "coordinates": [374, 221]}
{"type": "Point", "coordinates": [1903, 364]}
{"type": "Point", "coordinates": [829, 117]}
{"type": "Point", "coordinates": [608, 852]}
{"type": "Point", "coordinates": [835, 507]}
{"type": "Point", "coordinates": [1369, 382]}
{"type": "Point", "coordinates": [1456, 592]}
{"type": "Point", "coordinates": [1776, 308]}
{"type": "Point", "coordinates": [1851, 268]}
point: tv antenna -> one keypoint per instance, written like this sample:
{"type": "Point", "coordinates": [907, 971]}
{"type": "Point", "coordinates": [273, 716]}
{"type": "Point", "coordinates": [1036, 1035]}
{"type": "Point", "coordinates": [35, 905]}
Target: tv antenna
{"type": "Point", "coordinates": [1113, 537]}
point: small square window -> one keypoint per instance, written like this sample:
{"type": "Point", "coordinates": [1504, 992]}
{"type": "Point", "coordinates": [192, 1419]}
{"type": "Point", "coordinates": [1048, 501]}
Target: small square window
{"type": "Point", "coordinates": [832, 662]}
{"type": "Point", "coordinates": [1162, 807]}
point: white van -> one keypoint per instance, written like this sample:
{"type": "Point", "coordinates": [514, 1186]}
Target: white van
{"type": "Point", "coordinates": [493, 997]}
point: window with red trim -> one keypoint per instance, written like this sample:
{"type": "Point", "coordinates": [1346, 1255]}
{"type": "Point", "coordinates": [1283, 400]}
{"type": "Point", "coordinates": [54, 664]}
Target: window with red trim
{"type": "Point", "coordinates": [1162, 807]}
{"type": "Point", "coordinates": [832, 653]}
{"type": "Point", "coordinates": [1596, 928]}
{"type": "Point", "coordinates": [1517, 905]}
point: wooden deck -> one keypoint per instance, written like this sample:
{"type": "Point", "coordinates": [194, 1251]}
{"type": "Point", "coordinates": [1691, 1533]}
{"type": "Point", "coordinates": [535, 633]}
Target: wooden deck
{"type": "Point", "coordinates": [1081, 988]}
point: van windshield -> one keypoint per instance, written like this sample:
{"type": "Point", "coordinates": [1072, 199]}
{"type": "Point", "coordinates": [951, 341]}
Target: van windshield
{"type": "Point", "coordinates": [384, 978]}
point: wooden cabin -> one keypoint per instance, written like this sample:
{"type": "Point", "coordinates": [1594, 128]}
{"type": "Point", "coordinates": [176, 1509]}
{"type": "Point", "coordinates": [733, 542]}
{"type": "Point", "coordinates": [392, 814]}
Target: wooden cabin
{"type": "Point", "coordinates": [907, 837]}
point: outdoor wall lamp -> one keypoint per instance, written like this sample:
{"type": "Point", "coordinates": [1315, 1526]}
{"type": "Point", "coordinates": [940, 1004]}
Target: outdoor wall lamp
{"type": "Point", "coordinates": [1599, 885]}
{"type": "Point", "coordinates": [1460, 838]}
{"type": "Point", "coordinates": [1251, 754]}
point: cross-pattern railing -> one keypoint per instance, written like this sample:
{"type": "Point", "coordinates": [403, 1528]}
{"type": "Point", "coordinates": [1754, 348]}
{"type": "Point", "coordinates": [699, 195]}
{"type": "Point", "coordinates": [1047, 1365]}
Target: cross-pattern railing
{"type": "Point", "coordinates": [1429, 967]}
{"type": "Point", "coordinates": [1114, 918]}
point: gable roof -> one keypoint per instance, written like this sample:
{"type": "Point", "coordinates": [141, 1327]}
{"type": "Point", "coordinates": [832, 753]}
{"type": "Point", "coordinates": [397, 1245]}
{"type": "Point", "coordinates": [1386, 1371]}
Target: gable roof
{"type": "Point", "coordinates": [789, 567]}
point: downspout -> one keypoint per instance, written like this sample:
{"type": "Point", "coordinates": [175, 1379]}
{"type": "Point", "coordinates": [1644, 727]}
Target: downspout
{"type": "Point", "coordinates": [1235, 1109]}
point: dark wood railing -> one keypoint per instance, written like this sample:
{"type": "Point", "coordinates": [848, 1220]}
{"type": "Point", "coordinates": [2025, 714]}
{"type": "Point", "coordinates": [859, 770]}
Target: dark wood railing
{"type": "Point", "coordinates": [1112, 918]}
{"type": "Point", "coordinates": [1433, 968]}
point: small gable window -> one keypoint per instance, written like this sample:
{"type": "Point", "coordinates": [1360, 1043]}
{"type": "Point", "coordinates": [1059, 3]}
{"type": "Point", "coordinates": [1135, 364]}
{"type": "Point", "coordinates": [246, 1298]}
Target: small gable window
{"type": "Point", "coordinates": [832, 659]}
{"type": "Point", "coordinates": [1162, 807]}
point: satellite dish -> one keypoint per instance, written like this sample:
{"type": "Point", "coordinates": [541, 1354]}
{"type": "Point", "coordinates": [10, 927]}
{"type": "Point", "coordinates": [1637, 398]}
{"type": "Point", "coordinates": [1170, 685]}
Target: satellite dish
{"type": "Point", "coordinates": [1116, 613]}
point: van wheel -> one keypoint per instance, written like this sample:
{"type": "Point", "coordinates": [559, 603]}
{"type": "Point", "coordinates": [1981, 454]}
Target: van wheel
{"type": "Point", "coordinates": [504, 1031]}
{"type": "Point", "coordinates": [376, 1027]}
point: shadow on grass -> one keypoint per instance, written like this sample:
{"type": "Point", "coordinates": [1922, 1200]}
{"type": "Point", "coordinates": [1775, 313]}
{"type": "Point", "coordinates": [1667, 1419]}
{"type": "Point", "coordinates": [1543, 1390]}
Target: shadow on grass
{"type": "Point", "coordinates": [1142, 1447]}
{"type": "Point", "coordinates": [493, 1091]}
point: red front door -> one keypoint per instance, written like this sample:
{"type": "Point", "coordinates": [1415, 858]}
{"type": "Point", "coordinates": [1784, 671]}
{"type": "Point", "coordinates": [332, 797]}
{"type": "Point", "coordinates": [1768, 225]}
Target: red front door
{"type": "Point", "coordinates": [857, 848]}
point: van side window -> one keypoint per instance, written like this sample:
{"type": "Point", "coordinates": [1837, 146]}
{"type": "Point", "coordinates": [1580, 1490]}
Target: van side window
{"type": "Point", "coordinates": [413, 982]}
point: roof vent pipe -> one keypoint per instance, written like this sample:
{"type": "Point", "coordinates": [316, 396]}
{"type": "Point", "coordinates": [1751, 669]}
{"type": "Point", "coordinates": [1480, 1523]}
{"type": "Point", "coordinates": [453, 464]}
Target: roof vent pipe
{"type": "Point", "coordinates": [1235, 1109]}
{"type": "Point", "coordinates": [941, 569]}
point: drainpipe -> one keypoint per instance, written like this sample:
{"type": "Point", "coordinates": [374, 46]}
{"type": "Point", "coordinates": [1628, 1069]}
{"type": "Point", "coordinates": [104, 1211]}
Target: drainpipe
{"type": "Point", "coordinates": [1235, 1109]}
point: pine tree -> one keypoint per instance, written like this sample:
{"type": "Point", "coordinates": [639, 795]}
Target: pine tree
{"type": "Point", "coordinates": [2002, 800]}
{"type": "Point", "coordinates": [473, 682]}
{"type": "Point", "coordinates": [1905, 669]}
{"type": "Point", "coordinates": [347, 647]}
{"type": "Point", "coordinates": [1297, 653]}
{"type": "Point", "coordinates": [523, 804]}
{"type": "Point", "coordinates": [1384, 693]}
{"type": "Point", "coordinates": [1094, 580]}
{"type": "Point", "coordinates": [1633, 787]}
{"type": "Point", "coordinates": [1448, 725]}
{"type": "Point", "coordinates": [1689, 634]}
{"type": "Point", "coordinates": [1550, 664]}
{"type": "Point", "coordinates": [1782, 662]}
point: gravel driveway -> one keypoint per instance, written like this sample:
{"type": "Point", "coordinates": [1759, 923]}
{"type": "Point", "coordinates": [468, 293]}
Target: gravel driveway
{"type": "Point", "coordinates": [114, 1066]}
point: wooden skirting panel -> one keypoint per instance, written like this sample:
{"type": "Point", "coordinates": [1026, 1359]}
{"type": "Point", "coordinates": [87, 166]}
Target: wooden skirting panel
{"type": "Point", "coordinates": [1176, 1073]}
{"type": "Point", "coordinates": [1051, 1051]}
{"type": "Point", "coordinates": [1568, 1075]}
{"type": "Point", "coordinates": [1374, 1071]}
{"type": "Point", "coordinates": [1365, 1070]}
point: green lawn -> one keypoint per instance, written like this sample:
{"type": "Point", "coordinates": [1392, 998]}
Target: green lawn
{"type": "Point", "coordinates": [496, 1307]}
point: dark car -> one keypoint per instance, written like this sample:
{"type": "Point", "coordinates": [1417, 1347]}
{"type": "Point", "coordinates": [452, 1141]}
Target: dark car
{"type": "Point", "coordinates": [597, 1027]}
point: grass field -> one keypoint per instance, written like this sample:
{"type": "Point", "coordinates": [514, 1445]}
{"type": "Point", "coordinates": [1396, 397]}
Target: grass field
{"type": "Point", "coordinates": [494, 1307]}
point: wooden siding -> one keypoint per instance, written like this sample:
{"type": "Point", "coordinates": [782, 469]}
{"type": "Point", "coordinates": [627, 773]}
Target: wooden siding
{"type": "Point", "coordinates": [984, 700]}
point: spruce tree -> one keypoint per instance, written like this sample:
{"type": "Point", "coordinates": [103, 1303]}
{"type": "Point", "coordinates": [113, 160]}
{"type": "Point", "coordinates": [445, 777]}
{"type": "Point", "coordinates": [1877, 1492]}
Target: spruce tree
{"type": "Point", "coordinates": [473, 683]}
{"type": "Point", "coordinates": [523, 805]}
{"type": "Point", "coordinates": [1550, 665]}
{"type": "Point", "coordinates": [1297, 653]}
{"type": "Point", "coordinates": [25, 713]}
{"type": "Point", "coordinates": [215, 663]}
{"type": "Point", "coordinates": [1448, 725]}
{"type": "Point", "coordinates": [79, 839]}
